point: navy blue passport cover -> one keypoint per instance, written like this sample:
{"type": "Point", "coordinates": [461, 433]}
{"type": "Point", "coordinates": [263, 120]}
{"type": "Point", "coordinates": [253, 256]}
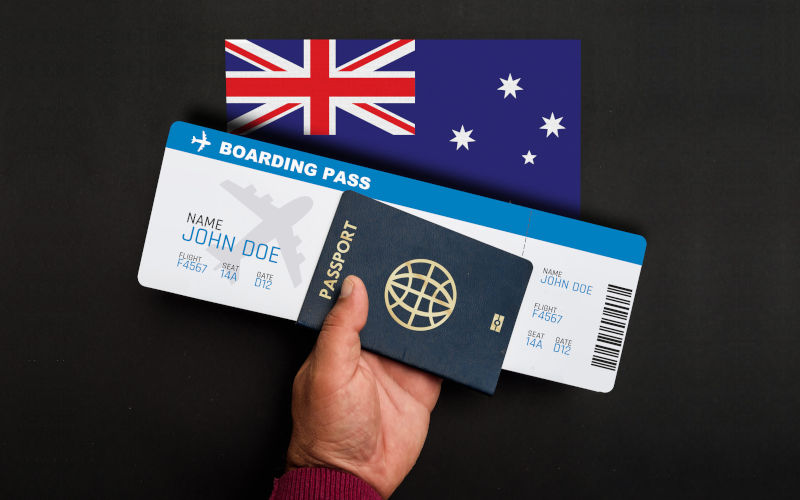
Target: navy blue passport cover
{"type": "Point", "coordinates": [438, 300]}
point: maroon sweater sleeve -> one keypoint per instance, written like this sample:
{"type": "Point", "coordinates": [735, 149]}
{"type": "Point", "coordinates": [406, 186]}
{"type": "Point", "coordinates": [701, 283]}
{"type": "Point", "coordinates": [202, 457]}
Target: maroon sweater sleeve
{"type": "Point", "coordinates": [321, 484]}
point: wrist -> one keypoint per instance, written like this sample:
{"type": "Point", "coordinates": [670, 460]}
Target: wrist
{"type": "Point", "coordinates": [297, 459]}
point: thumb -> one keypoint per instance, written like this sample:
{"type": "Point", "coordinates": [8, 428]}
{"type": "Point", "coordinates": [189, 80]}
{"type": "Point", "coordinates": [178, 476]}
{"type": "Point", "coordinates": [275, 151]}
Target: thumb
{"type": "Point", "coordinates": [338, 345]}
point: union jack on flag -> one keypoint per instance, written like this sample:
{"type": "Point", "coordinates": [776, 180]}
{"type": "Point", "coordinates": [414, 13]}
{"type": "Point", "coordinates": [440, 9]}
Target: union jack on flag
{"type": "Point", "coordinates": [499, 118]}
{"type": "Point", "coordinates": [319, 86]}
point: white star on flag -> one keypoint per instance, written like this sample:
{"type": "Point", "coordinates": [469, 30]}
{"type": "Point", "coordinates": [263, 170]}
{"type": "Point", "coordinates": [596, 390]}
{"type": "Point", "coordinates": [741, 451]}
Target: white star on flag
{"type": "Point", "coordinates": [552, 125]}
{"type": "Point", "coordinates": [462, 138]}
{"type": "Point", "coordinates": [510, 86]}
{"type": "Point", "coordinates": [529, 158]}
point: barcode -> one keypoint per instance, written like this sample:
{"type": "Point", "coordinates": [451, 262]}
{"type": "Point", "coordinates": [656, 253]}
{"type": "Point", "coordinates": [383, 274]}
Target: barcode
{"type": "Point", "coordinates": [616, 311]}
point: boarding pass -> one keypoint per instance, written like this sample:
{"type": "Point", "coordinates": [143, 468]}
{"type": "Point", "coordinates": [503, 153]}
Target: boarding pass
{"type": "Point", "coordinates": [242, 223]}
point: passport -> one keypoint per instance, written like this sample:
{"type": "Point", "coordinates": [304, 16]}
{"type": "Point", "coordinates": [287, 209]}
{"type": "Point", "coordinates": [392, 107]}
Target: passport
{"type": "Point", "coordinates": [439, 300]}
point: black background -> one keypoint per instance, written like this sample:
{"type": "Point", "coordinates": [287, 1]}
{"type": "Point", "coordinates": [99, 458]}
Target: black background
{"type": "Point", "coordinates": [689, 136]}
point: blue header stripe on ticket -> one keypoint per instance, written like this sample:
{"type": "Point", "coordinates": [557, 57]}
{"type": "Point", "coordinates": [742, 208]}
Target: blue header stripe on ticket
{"type": "Point", "coordinates": [420, 195]}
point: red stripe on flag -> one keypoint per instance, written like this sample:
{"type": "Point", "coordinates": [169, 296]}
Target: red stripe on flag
{"type": "Point", "coordinates": [319, 67]}
{"type": "Point", "coordinates": [258, 121]}
{"type": "Point", "coordinates": [252, 57]}
{"type": "Point", "coordinates": [376, 54]}
{"type": "Point", "coordinates": [341, 87]}
{"type": "Point", "coordinates": [386, 116]}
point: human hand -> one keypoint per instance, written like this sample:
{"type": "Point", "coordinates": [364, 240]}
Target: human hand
{"type": "Point", "coordinates": [357, 411]}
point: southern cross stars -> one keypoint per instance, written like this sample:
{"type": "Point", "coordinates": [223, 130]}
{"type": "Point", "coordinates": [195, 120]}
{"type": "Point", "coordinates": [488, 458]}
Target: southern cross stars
{"type": "Point", "coordinates": [462, 138]}
{"type": "Point", "coordinates": [552, 125]}
{"type": "Point", "coordinates": [529, 158]}
{"type": "Point", "coordinates": [510, 86]}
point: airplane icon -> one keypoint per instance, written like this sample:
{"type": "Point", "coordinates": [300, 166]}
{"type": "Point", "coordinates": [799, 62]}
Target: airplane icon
{"type": "Point", "coordinates": [276, 223]}
{"type": "Point", "coordinates": [203, 142]}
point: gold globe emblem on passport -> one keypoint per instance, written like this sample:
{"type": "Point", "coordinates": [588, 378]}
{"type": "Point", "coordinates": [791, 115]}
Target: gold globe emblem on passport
{"type": "Point", "coordinates": [420, 294]}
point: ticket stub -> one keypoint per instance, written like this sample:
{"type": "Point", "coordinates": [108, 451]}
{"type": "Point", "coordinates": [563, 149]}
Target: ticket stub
{"type": "Point", "coordinates": [242, 223]}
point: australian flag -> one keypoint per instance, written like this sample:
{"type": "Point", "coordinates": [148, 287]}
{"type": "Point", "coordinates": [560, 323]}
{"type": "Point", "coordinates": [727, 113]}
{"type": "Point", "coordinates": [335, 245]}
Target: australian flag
{"type": "Point", "coordinates": [499, 118]}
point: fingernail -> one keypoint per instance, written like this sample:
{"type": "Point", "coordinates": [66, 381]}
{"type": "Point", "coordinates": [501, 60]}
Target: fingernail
{"type": "Point", "coordinates": [347, 287]}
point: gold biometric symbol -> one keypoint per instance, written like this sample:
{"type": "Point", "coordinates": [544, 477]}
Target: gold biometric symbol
{"type": "Point", "coordinates": [407, 298]}
{"type": "Point", "coordinates": [497, 322]}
